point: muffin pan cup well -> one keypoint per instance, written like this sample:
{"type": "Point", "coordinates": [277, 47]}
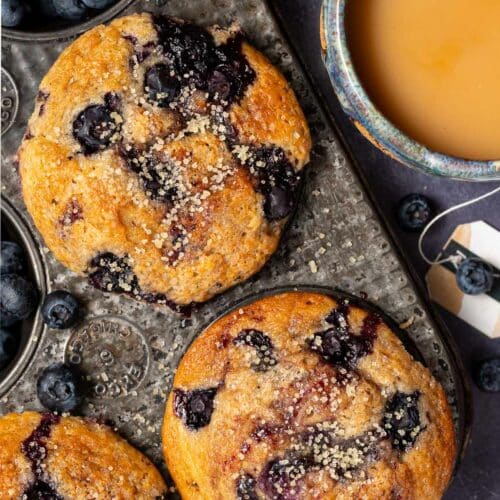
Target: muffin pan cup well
{"type": "Point", "coordinates": [60, 30]}
{"type": "Point", "coordinates": [14, 228]}
{"type": "Point", "coordinates": [130, 350]}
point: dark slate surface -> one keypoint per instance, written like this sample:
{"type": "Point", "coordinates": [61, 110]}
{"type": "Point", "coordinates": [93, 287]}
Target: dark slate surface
{"type": "Point", "coordinates": [479, 474]}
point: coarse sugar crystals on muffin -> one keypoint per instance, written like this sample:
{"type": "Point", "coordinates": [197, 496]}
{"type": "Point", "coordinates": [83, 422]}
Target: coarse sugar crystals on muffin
{"type": "Point", "coordinates": [52, 456]}
{"type": "Point", "coordinates": [163, 159]}
{"type": "Point", "coordinates": [301, 395]}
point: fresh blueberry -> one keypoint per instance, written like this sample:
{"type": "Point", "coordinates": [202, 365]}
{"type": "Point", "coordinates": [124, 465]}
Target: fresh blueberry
{"type": "Point", "coordinates": [59, 388]}
{"type": "Point", "coordinates": [13, 12]}
{"type": "Point", "coordinates": [94, 128]}
{"type": "Point", "coordinates": [98, 4]}
{"type": "Point", "coordinates": [60, 310]}
{"type": "Point", "coordinates": [414, 212]}
{"type": "Point", "coordinates": [18, 298]}
{"type": "Point", "coordinates": [488, 375]}
{"type": "Point", "coordinates": [474, 276]}
{"type": "Point", "coordinates": [72, 10]}
{"type": "Point", "coordinates": [160, 86]}
{"type": "Point", "coordinates": [194, 408]}
{"type": "Point", "coordinates": [401, 420]}
{"type": "Point", "coordinates": [11, 258]}
{"type": "Point", "coordinates": [8, 347]}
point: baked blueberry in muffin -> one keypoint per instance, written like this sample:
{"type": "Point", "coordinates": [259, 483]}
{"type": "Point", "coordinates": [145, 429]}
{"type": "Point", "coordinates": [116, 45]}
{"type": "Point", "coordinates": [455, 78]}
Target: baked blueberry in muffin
{"type": "Point", "coordinates": [46, 456]}
{"type": "Point", "coordinates": [343, 411]}
{"type": "Point", "coordinates": [163, 158]}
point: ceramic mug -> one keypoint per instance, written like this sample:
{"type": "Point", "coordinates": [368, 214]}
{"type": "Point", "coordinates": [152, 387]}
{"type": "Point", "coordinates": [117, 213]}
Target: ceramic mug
{"type": "Point", "coordinates": [371, 123]}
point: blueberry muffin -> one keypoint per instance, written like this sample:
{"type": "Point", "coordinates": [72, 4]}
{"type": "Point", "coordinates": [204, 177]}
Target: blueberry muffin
{"type": "Point", "coordinates": [46, 456]}
{"type": "Point", "coordinates": [300, 396]}
{"type": "Point", "coordinates": [163, 159]}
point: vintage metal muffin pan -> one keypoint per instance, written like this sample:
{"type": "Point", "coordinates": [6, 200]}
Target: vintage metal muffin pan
{"type": "Point", "coordinates": [130, 350]}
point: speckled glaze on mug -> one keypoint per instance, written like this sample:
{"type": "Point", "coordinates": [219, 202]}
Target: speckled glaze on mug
{"type": "Point", "coordinates": [371, 123]}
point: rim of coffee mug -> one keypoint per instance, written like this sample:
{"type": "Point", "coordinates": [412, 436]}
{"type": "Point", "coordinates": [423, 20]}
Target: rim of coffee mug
{"type": "Point", "coordinates": [373, 124]}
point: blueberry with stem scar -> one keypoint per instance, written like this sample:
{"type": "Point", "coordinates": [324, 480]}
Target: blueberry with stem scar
{"type": "Point", "coordinates": [59, 388]}
{"type": "Point", "coordinates": [474, 276]}
{"type": "Point", "coordinates": [488, 375]}
{"type": "Point", "coordinates": [414, 212]}
{"type": "Point", "coordinates": [60, 310]}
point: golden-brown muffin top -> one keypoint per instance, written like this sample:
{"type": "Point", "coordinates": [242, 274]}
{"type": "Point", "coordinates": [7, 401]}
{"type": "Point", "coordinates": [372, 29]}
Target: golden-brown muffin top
{"type": "Point", "coordinates": [71, 457]}
{"type": "Point", "coordinates": [301, 396]}
{"type": "Point", "coordinates": [162, 159]}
